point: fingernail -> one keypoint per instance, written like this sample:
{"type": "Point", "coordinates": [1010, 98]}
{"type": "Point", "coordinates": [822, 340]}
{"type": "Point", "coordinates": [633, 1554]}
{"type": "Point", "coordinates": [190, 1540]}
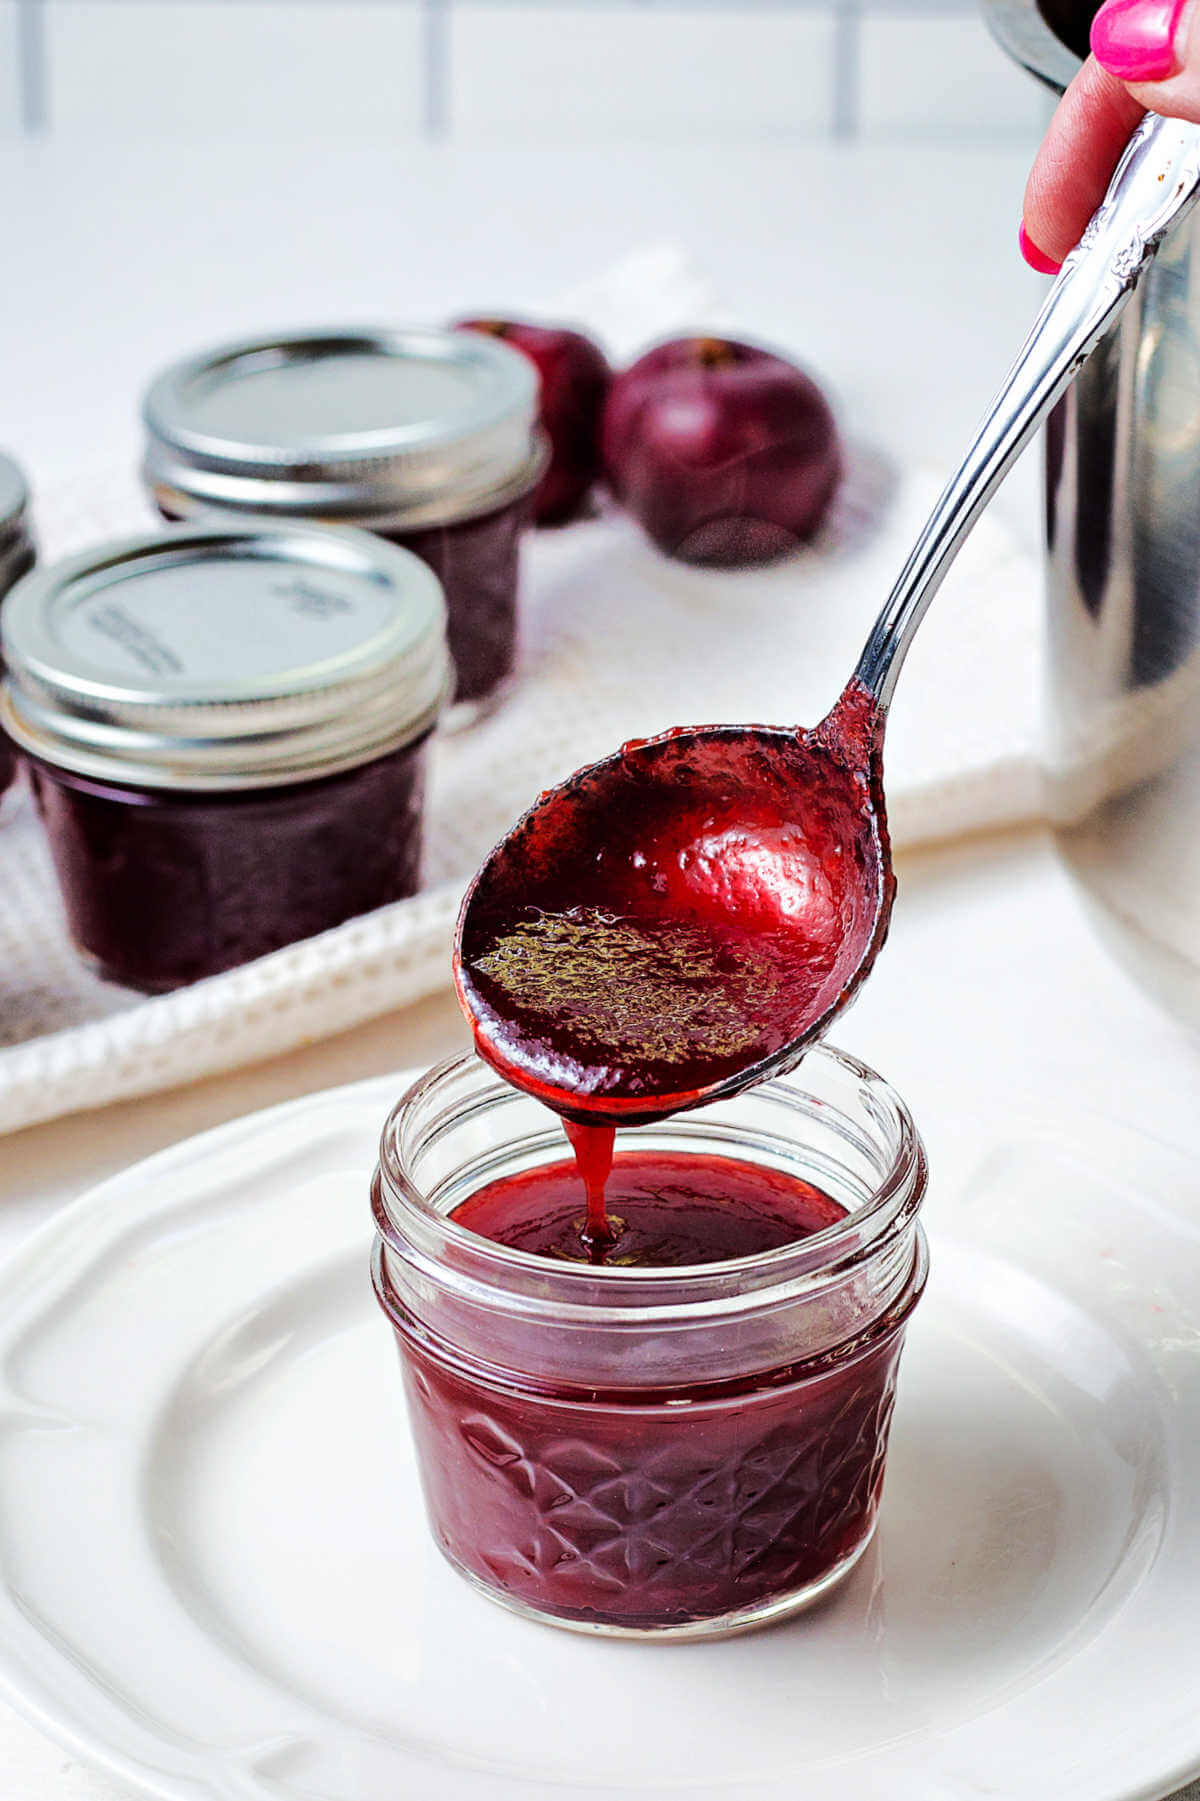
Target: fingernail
{"type": "Point", "coordinates": [1135, 39]}
{"type": "Point", "coordinates": [1037, 259]}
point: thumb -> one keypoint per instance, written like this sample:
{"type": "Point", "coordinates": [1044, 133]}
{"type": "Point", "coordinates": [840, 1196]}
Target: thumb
{"type": "Point", "coordinates": [1153, 46]}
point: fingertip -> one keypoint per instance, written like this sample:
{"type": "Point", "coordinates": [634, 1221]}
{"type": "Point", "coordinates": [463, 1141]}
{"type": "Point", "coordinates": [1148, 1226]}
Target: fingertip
{"type": "Point", "coordinates": [1037, 259]}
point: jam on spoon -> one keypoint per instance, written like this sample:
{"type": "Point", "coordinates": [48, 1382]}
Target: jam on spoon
{"type": "Point", "coordinates": [682, 919]}
{"type": "Point", "coordinates": [677, 913]}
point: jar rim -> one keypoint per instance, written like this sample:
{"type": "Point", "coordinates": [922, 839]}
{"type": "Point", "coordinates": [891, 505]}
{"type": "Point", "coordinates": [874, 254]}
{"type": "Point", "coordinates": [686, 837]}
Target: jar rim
{"type": "Point", "coordinates": [703, 1393]}
{"type": "Point", "coordinates": [410, 1225]}
{"type": "Point", "coordinates": [195, 495]}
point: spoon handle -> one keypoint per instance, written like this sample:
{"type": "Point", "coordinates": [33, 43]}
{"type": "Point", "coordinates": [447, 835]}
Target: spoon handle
{"type": "Point", "coordinates": [1155, 184]}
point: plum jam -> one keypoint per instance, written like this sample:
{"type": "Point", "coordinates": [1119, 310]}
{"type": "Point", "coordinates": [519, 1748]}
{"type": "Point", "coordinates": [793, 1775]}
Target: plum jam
{"type": "Point", "coordinates": [685, 911]}
{"type": "Point", "coordinates": [162, 888]}
{"type": "Point", "coordinates": [17, 556]}
{"type": "Point", "coordinates": [476, 561]}
{"type": "Point", "coordinates": [8, 760]}
{"type": "Point", "coordinates": [226, 733]}
{"type": "Point", "coordinates": [661, 1210]}
{"type": "Point", "coordinates": [429, 438]}
{"type": "Point", "coordinates": [681, 1432]}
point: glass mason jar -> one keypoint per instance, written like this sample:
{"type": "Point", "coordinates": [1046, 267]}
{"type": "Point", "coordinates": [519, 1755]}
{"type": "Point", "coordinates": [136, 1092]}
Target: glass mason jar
{"type": "Point", "coordinates": [17, 556]}
{"type": "Point", "coordinates": [429, 438]}
{"type": "Point", "coordinates": [667, 1453]}
{"type": "Point", "coordinates": [225, 732]}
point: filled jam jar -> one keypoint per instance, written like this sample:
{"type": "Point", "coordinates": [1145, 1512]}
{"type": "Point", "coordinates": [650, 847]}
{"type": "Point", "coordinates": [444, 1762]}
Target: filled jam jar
{"type": "Point", "coordinates": [429, 438]}
{"type": "Point", "coordinates": [17, 555]}
{"type": "Point", "coordinates": [683, 1438]}
{"type": "Point", "coordinates": [225, 729]}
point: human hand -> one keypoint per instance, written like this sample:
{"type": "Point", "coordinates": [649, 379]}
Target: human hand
{"type": "Point", "coordinates": [1145, 58]}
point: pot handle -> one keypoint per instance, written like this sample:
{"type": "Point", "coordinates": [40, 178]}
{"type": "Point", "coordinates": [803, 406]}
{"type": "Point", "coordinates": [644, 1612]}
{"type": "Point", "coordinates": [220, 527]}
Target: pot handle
{"type": "Point", "coordinates": [1156, 183]}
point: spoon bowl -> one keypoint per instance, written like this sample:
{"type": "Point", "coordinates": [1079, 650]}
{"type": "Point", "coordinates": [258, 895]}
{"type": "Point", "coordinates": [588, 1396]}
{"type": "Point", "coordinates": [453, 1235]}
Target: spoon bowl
{"type": "Point", "coordinates": [684, 918]}
{"type": "Point", "coordinates": [681, 918]}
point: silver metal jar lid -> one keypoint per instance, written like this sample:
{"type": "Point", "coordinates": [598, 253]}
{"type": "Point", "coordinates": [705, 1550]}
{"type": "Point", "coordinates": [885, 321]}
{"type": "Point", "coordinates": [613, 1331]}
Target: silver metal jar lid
{"type": "Point", "coordinates": [396, 429]}
{"type": "Point", "coordinates": [224, 658]}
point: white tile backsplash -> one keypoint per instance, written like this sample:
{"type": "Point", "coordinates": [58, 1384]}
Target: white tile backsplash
{"type": "Point", "coordinates": [310, 68]}
{"type": "Point", "coordinates": [10, 70]}
{"type": "Point", "coordinates": [932, 75]}
{"type": "Point", "coordinates": [604, 71]}
{"type": "Point", "coordinates": [512, 69]}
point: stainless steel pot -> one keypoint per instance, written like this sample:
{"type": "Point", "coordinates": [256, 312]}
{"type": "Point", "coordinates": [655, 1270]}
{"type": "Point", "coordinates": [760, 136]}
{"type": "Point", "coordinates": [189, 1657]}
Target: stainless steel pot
{"type": "Point", "coordinates": [1123, 591]}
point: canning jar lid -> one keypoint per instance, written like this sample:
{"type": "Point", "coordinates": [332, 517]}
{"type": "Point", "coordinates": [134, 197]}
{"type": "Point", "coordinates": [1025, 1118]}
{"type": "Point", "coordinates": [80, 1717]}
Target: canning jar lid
{"type": "Point", "coordinates": [397, 429]}
{"type": "Point", "coordinates": [225, 658]}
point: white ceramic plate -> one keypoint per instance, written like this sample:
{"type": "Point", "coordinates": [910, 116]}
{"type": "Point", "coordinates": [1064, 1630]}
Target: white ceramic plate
{"type": "Point", "coordinates": [217, 1582]}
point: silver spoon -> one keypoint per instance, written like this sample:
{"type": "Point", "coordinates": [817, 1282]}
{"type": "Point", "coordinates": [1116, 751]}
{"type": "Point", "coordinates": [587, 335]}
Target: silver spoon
{"type": "Point", "coordinates": [682, 919]}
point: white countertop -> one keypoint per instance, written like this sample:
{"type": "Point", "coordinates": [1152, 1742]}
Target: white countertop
{"type": "Point", "coordinates": [992, 989]}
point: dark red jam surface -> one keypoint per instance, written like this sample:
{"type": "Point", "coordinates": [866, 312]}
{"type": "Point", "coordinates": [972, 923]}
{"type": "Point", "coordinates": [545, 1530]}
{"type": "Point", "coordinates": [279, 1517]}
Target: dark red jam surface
{"type": "Point", "coordinates": [162, 888]}
{"type": "Point", "coordinates": [476, 561]}
{"type": "Point", "coordinates": [651, 1508]}
{"type": "Point", "coordinates": [664, 1210]}
{"type": "Point", "coordinates": [679, 914]}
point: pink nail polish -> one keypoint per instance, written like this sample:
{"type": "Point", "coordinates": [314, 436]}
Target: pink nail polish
{"type": "Point", "coordinates": [1037, 259]}
{"type": "Point", "coordinates": [1135, 39]}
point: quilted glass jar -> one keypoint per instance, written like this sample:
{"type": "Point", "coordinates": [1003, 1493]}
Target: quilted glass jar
{"type": "Point", "coordinates": [226, 732]}
{"type": "Point", "coordinates": [429, 438]}
{"type": "Point", "coordinates": [666, 1453]}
